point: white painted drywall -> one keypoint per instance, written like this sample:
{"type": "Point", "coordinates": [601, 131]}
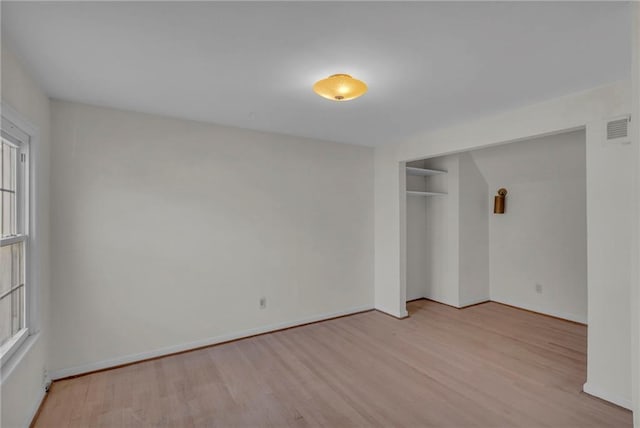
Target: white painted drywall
{"type": "Point", "coordinates": [390, 232]}
{"type": "Point", "coordinates": [168, 232]}
{"type": "Point", "coordinates": [452, 265]}
{"type": "Point", "coordinates": [542, 237]}
{"type": "Point", "coordinates": [417, 268]}
{"type": "Point", "coordinates": [442, 232]}
{"type": "Point", "coordinates": [608, 231]}
{"type": "Point", "coordinates": [473, 256]}
{"type": "Point", "coordinates": [22, 382]}
{"type": "Point", "coordinates": [609, 225]}
{"type": "Point", "coordinates": [635, 253]}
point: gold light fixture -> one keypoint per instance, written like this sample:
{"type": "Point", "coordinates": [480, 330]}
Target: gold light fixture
{"type": "Point", "coordinates": [340, 87]}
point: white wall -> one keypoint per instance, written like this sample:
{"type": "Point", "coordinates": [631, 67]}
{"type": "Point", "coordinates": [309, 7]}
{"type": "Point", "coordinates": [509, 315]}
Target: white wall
{"type": "Point", "coordinates": [473, 233]}
{"type": "Point", "coordinates": [542, 237]}
{"type": "Point", "coordinates": [635, 254]}
{"type": "Point", "coordinates": [608, 231]}
{"type": "Point", "coordinates": [390, 232]}
{"type": "Point", "coordinates": [609, 225]}
{"type": "Point", "coordinates": [416, 247]}
{"type": "Point", "coordinates": [432, 264]}
{"type": "Point", "coordinates": [417, 269]}
{"type": "Point", "coordinates": [450, 264]}
{"type": "Point", "coordinates": [168, 232]}
{"type": "Point", "coordinates": [22, 385]}
{"type": "Point", "coordinates": [442, 232]}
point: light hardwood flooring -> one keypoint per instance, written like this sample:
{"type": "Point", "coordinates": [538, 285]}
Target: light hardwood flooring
{"type": "Point", "coordinates": [485, 366]}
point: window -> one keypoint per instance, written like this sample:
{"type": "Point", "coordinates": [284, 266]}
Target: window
{"type": "Point", "coordinates": [14, 237]}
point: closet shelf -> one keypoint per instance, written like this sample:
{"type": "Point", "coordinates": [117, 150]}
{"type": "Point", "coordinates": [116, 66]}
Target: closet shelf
{"type": "Point", "coordinates": [423, 171]}
{"type": "Point", "coordinates": [415, 192]}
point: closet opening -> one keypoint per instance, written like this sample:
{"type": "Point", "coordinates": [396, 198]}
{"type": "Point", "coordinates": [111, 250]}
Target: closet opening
{"type": "Point", "coordinates": [533, 256]}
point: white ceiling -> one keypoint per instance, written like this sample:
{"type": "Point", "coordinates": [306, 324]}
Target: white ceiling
{"type": "Point", "coordinates": [252, 65]}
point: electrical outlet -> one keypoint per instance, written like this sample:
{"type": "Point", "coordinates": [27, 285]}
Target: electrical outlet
{"type": "Point", "coordinates": [263, 302]}
{"type": "Point", "coordinates": [538, 288]}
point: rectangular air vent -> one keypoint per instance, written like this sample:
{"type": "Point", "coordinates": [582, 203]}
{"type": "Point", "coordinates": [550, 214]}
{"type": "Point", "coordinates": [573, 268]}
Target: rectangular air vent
{"type": "Point", "coordinates": [618, 130]}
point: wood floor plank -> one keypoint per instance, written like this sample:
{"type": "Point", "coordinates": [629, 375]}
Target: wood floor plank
{"type": "Point", "coordinates": [484, 366]}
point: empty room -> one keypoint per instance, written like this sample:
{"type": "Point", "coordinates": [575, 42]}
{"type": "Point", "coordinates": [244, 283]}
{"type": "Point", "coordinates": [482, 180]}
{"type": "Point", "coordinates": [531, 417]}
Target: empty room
{"type": "Point", "coordinates": [319, 213]}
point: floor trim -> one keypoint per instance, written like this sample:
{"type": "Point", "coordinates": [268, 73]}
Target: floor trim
{"type": "Point", "coordinates": [474, 304]}
{"type": "Point", "coordinates": [128, 360]}
{"type": "Point", "coordinates": [603, 395]}
{"type": "Point", "coordinates": [391, 315]}
{"type": "Point", "coordinates": [503, 304]}
{"type": "Point", "coordinates": [447, 304]}
{"type": "Point", "coordinates": [434, 301]}
{"type": "Point", "coordinates": [541, 313]}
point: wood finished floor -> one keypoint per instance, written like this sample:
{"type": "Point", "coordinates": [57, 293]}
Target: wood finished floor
{"type": "Point", "coordinates": [484, 366]}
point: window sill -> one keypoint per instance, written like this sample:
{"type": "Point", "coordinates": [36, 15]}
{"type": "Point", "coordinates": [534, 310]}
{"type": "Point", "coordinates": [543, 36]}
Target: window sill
{"type": "Point", "coordinates": [12, 345]}
{"type": "Point", "coordinates": [14, 352]}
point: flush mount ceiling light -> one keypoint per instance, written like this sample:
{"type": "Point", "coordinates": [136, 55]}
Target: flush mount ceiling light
{"type": "Point", "coordinates": [340, 87]}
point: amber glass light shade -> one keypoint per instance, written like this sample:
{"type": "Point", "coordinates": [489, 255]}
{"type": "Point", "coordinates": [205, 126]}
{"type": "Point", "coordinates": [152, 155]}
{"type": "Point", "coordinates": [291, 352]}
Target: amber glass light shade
{"type": "Point", "coordinates": [340, 87]}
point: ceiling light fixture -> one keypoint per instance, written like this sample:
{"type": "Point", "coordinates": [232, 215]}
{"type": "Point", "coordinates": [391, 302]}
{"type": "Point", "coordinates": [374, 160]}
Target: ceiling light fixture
{"type": "Point", "coordinates": [340, 87]}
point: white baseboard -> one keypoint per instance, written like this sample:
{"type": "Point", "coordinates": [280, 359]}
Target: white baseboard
{"type": "Point", "coordinates": [443, 301]}
{"type": "Point", "coordinates": [600, 393]}
{"type": "Point", "coordinates": [402, 314]}
{"type": "Point", "coordinates": [563, 315]}
{"type": "Point", "coordinates": [474, 302]}
{"type": "Point", "coordinates": [132, 358]}
{"type": "Point", "coordinates": [461, 305]}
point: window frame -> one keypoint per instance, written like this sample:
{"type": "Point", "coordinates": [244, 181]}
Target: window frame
{"type": "Point", "coordinates": [18, 130]}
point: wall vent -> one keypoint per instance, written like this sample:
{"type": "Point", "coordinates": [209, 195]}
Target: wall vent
{"type": "Point", "coordinates": [618, 130]}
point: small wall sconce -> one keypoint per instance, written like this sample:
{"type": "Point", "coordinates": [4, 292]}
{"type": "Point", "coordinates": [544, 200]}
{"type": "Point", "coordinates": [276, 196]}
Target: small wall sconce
{"type": "Point", "coordinates": [498, 201]}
